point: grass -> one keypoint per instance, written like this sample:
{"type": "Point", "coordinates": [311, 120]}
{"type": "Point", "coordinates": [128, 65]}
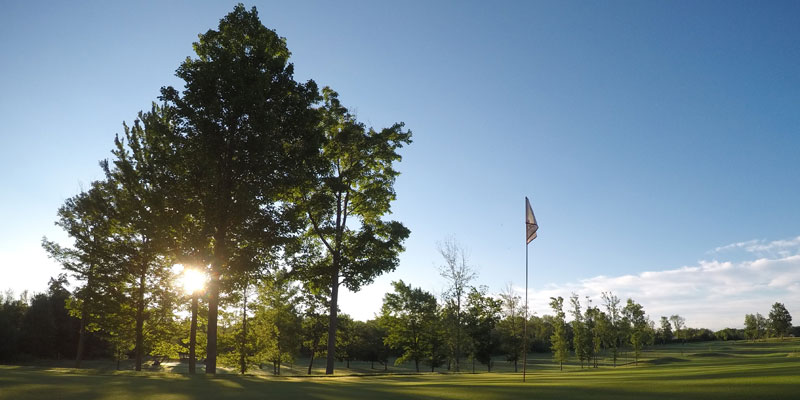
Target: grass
{"type": "Point", "coordinates": [730, 370]}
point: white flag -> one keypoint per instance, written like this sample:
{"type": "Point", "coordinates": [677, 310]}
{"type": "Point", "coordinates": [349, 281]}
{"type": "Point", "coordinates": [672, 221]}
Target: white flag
{"type": "Point", "coordinates": [530, 222]}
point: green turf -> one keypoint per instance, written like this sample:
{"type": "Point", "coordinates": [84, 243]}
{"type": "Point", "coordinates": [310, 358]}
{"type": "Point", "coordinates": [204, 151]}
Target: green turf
{"type": "Point", "coordinates": [729, 370]}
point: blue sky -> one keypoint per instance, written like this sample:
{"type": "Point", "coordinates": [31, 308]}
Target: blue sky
{"type": "Point", "coordinates": [648, 135]}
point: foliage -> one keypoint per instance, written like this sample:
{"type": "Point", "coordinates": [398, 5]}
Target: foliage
{"type": "Point", "coordinates": [665, 330]}
{"type": "Point", "coordinates": [482, 315]}
{"type": "Point", "coordinates": [640, 332]}
{"type": "Point", "coordinates": [613, 330]}
{"type": "Point", "coordinates": [581, 339]}
{"type": "Point", "coordinates": [780, 321]}
{"type": "Point", "coordinates": [405, 316]}
{"type": "Point", "coordinates": [559, 340]}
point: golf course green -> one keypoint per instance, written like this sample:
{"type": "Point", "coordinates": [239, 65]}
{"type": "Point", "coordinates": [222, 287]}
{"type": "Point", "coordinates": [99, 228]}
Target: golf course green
{"type": "Point", "coordinates": [711, 370]}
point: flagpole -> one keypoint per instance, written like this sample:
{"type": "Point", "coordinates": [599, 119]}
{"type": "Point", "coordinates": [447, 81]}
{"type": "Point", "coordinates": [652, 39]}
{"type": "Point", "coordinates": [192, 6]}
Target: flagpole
{"type": "Point", "coordinates": [530, 233]}
{"type": "Point", "coordinates": [525, 322]}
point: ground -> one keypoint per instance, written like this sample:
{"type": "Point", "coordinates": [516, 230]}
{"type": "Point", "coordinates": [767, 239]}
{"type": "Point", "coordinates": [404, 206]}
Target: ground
{"type": "Point", "coordinates": [729, 370]}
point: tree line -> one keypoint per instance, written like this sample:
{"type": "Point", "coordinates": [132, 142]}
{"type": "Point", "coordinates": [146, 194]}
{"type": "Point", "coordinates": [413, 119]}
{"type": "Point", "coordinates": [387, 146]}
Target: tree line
{"type": "Point", "coordinates": [277, 321]}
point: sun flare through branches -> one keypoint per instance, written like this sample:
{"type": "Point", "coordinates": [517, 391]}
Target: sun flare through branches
{"type": "Point", "coordinates": [192, 280]}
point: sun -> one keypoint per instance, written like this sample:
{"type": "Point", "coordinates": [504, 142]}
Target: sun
{"type": "Point", "coordinates": [193, 280]}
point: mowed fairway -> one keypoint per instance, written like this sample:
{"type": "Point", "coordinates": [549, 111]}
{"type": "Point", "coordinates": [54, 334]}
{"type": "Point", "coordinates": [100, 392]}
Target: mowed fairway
{"type": "Point", "coordinates": [730, 370]}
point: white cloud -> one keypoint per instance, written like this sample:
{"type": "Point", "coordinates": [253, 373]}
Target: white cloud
{"type": "Point", "coordinates": [711, 294]}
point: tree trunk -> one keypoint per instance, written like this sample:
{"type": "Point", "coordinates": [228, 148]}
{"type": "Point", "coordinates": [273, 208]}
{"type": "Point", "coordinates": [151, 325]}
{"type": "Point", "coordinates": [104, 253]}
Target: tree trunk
{"type": "Point", "coordinates": [333, 317]}
{"type": "Point", "coordinates": [416, 364]}
{"type": "Point", "coordinates": [242, 363]}
{"type": "Point", "coordinates": [193, 335]}
{"type": "Point", "coordinates": [458, 333]}
{"type": "Point", "coordinates": [81, 339]}
{"type": "Point", "coordinates": [213, 305]}
{"type": "Point", "coordinates": [311, 362]}
{"type": "Point", "coordinates": [140, 318]}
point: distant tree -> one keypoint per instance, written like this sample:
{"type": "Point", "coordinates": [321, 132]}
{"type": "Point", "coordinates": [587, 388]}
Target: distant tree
{"type": "Point", "coordinates": [406, 314]}
{"type": "Point", "coordinates": [613, 330]}
{"type": "Point", "coordinates": [762, 324]}
{"type": "Point", "coordinates": [729, 334]}
{"type": "Point", "coordinates": [581, 337]}
{"type": "Point", "coordinates": [347, 339]}
{"type": "Point", "coordinates": [510, 327]}
{"type": "Point", "coordinates": [482, 315]}
{"type": "Point", "coordinates": [458, 273]}
{"type": "Point", "coordinates": [12, 313]}
{"type": "Point", "coordinates": [66, 326]}
{"type": "Point", "coordinates": [640, 330]}
{"type": "Point", "coordinates": [665, 330]}
{"type": "Point", "coordinates": [678, 323]}
{"type": "Point", "coordinates": [437, 337]}
{"type": "Point", "coordinates": [540, 330]}
{"type": "Point", "coordinates": [243, 344]}
{"type": "Point", "coordinates": [276, 321]}
{"type": "Point", "coordinates": [559, 340]}
{"type": "Point", "coordinates": [371, 347]}
{"type": "Point", "coordinates": [780, 320]}
{"type": "Point", "coordinates": [751, 330]}
{"type": "Point", "coordinates": [345, 202]}
{"type": "Point", "coordinates": [314, 324]}
{"type": "Point", "coordinates": [38, 329]}
{"type": "Point", "coordinates": [597, 323]}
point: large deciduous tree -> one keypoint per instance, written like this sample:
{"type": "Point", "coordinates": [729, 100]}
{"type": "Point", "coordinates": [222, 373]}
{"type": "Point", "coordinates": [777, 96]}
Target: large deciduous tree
{"type": "Point", "coordinates": [344, 204]}
{"type": "Point", "coordinates": [246, 131]}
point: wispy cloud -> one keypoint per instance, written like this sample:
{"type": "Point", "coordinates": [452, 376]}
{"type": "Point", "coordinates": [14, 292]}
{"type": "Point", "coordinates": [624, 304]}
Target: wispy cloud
{"type": "Point", "coordinates": [761, 247]}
